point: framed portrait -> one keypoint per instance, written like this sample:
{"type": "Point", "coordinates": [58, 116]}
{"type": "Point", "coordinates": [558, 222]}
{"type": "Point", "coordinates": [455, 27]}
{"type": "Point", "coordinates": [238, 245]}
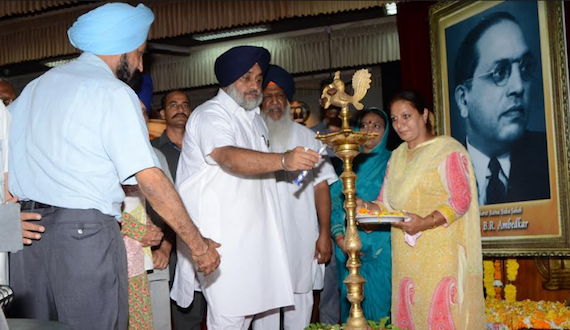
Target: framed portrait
{"type": "Point", "coordinates": [500, 88]}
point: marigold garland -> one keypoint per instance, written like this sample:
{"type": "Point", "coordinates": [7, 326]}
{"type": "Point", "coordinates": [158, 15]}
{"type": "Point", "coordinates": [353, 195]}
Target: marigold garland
{"type": "Point", "coordinates": [498, 269]}
{"type": "Point", "coordinates": [528, 314]}
{"type": "Point", "coordinates": [488, 278]}
{"type": "Point", "coordinates": [510, 293]}
{"type": "Point", "coordinates": [512, 269]}
{"type": "Point", "coordinates": [509, 314]}
{"type": "Point", "coordinates": [497, 283]}
{"type": "Point", "coordinates": [512, 272]}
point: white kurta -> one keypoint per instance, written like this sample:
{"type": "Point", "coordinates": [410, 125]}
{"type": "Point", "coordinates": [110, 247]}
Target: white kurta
{"type": "Point", "coordinates": [240, 212]}
{"type": "Point", "coordinates": [299, 211]}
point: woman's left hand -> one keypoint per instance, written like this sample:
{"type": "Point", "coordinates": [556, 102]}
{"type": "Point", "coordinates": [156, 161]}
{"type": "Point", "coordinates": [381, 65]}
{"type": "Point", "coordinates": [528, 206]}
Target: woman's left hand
{"type": "Point", "coordinates": [414, 225]}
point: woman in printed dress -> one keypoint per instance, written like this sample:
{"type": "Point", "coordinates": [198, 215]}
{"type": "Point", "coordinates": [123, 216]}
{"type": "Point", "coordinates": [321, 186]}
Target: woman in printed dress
{"type": "Point", "coordinates": [139, 234]}
{"type": "Point", "coordinates": [436, 254]}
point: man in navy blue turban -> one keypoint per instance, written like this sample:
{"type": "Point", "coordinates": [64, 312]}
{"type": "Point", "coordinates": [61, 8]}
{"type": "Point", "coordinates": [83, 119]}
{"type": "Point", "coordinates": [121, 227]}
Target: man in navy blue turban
{"type": "Point", "coordinates": [305, 210]}
{"type": "Point", "coordinates": [226, 179]}
{"type": "Point", "coordinates": [281, 78]}
{"type": "Point", "coordinates": [78, 135]}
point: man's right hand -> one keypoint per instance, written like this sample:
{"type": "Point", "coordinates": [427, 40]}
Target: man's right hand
{"type": "Point", "coordinates": [301, 159]}
{"type": "Point", "coordinates": [208, 261]}
{"type": "Point", "coordinates": [30, 230]}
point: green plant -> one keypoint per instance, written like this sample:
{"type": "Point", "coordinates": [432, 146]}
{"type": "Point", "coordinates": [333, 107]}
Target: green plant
{"type": "Point", "coordinates": [381, 324]}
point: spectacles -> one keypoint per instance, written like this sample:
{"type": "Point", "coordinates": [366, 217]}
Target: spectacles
{"type": "Point", "coordinates": [184, 106]}
{"type": "Point", "coordinates": [6, 102]}
{"type": "Point", "coordinates": [503, 69]}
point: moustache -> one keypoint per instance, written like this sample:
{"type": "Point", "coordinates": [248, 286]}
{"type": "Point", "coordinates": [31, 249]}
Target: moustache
{"type": "Point", "coordinates": [180, 114]}
{"type": "Point", "coordinates": [253, 92]}
{"type": "Point", "coordinates": [275, 108]}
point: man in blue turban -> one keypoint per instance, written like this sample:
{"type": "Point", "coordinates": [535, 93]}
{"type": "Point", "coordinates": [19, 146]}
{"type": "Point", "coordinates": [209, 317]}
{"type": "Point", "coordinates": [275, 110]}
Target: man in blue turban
{"type": "Point", "coordinates": [78, 134]}
{"type": "Point", "coordinates": [226, 179]}
{"type": "Point", "coordinates": [305, 209]}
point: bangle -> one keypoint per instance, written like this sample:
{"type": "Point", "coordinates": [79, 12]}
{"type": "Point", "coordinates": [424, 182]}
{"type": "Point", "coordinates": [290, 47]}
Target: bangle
{"type": "Point", "coordinates": [434, 222]}
{"type": "Point", "coordinates": [338, 238]}
{"type": "Point", "coordinates": [283, 161]}
{"type": "Point", "coordinates": [207, 248]}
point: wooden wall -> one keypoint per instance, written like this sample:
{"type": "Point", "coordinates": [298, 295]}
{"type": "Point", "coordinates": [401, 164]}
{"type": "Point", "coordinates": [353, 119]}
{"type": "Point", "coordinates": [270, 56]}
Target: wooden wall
{"type": "Point", "coordinates": [529, 284]}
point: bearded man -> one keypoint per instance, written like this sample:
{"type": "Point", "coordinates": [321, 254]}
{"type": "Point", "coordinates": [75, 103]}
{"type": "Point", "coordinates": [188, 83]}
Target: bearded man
{"type": "Point", "coordinates": [226, 179]}
{"type": "Point", "coordinates": [306, 209]}
{"type": "Point", "coordinates": [78, 134]}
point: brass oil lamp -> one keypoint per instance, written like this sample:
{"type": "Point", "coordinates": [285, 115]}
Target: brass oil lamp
{"type": "Point", "coordinates": [346, 144]}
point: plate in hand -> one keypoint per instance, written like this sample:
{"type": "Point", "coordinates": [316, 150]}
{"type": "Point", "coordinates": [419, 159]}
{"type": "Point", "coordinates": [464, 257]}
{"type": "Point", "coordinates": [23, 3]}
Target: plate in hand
{"type": "Point", "coordinates": [374, 219]}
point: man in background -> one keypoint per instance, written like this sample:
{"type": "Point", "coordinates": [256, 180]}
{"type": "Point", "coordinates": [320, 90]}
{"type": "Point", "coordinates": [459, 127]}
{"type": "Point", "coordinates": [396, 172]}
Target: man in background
{"type": "Point", "coordinates": [175, 110]}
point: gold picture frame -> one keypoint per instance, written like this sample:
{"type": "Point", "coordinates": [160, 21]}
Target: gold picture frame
{"type": "Point", "coordinates": [537, 226]}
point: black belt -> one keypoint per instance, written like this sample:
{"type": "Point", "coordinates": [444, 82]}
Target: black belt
{"type": "Point", "coordinates": [33, 205]}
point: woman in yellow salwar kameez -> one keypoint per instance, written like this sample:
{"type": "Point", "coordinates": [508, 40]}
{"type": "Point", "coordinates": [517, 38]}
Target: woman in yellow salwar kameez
{"type": "Point", "coordinates": [436, 254]}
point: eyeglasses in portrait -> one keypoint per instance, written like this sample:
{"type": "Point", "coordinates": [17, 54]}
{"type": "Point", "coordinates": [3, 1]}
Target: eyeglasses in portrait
{"type": "Point", "coordinates": [498, 68]}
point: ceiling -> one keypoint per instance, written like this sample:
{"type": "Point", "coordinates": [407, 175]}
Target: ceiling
{"type": "Point", "coordinates": [180, 45]}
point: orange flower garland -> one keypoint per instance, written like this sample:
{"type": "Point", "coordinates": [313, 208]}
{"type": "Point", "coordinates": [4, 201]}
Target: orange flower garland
{"type": "Point", "coordinates": [528, 314]}
{"type": "Point", "coordinates": [497, 283]}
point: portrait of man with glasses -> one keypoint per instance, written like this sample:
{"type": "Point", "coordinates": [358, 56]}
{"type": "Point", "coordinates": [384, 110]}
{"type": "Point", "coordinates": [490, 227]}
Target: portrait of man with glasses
{"type": "Point", "coordinates": [502, 128]}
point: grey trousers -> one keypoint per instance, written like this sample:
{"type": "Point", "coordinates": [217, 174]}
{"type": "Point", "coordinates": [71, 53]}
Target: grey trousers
{"type": "Point", "coordinates": [76, 273]}
{"type": "Point", "coordinates": [160, 298]}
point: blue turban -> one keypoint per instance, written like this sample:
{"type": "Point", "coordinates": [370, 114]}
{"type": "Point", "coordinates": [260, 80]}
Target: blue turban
{"type": "Point", "coordinates": [234, 63]}
{"type": "Point", "coordinates": [282, 78]}
{"type": "Point", "coordinates": [145, 91]}
{"type": "Point", "coordinates": [111, 29]}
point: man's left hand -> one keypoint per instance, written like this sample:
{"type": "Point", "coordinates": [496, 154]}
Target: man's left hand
{"type": "Point", "coordinates": [323, 249]}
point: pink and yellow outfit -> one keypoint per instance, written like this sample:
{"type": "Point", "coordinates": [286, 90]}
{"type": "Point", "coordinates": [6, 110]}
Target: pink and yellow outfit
{"type": "Point", "coordinates": [139, 259]}
{"type": "Point", "coordinates": [437, 284]}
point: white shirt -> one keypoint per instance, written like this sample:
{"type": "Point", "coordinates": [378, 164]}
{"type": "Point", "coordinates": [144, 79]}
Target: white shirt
{"type": "Point", "coordinates": [239, 212]}
{"type": "Point", "coordinates": [483, 173]}
{"type": "Point", "coordinates": [299, 210]}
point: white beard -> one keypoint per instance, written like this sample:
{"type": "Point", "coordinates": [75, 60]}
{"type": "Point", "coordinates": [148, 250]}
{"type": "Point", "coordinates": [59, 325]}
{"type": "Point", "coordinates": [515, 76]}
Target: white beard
{"type": "Point", "coordinates": [280, 130]}
{"type": "Point", "coordinates": [248, 105]}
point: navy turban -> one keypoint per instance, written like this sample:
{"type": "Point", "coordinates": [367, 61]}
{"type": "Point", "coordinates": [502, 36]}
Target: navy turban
{"type": "Point", "coordinates": [111, 29]}
{"type": "Point", "coordinates": [282, 78]}
{"type": "Point", "coordinates": [145, 91]}
{"type": "Point", "coordinates": [234, 63]}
